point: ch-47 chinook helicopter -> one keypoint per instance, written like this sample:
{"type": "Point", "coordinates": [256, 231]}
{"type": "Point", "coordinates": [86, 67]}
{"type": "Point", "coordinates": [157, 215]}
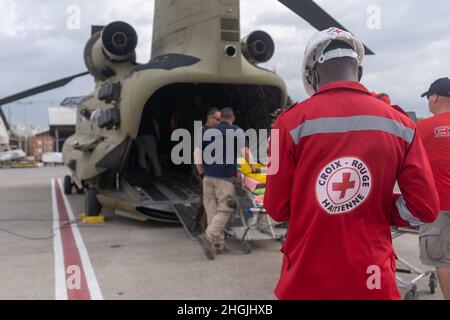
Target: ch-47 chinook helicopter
{"type": "Point", "coordinates": [198, 61]}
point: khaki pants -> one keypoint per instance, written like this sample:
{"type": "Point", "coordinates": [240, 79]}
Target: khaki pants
{"type": "Point", "coordinates": [219, 199]}
{"type": "Point", "coordinates": [148, 147]}
{"type": "Point", "coordinates": [435, 242]}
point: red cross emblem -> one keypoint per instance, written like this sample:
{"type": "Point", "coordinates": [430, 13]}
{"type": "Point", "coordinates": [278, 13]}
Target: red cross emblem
{"type": "Point", "coordinates": [345, 185]}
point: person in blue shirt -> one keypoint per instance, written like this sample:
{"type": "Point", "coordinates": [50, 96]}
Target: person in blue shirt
{"type": "Point", "coordinates": [213, 118]}
{"type": "Point", "coordinates": [220, 148]}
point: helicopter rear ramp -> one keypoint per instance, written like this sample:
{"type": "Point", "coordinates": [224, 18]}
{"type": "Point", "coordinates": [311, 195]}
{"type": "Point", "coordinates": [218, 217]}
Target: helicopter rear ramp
{"type": "Point", "coordinates": [172, 198]}
{"type": "Point", "coordinates": [186, 213]}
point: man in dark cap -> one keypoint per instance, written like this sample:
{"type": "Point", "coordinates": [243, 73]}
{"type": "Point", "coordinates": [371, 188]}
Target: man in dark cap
{"type": "Point", "coordinates": [435, 134]}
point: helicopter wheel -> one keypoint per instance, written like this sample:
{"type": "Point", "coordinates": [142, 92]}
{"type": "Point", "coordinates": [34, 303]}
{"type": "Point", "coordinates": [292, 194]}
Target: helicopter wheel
{"type": "Point", "coordinates": [92, 206]}
{"type": "Point", "coordinates": [68, 185]}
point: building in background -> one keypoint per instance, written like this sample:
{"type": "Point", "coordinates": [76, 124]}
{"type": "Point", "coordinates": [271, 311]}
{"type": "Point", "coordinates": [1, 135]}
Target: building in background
{"type": "Point", "coordinates": [40, 144]}
{"type": "Point", "coordinates": [20, 133]}
{"type": "Point", "coordinates": [62, 121]}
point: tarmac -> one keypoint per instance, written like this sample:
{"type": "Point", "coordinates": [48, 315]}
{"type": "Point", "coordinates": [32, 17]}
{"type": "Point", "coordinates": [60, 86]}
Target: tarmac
{"type": "Point", "coordinates": [130, 259]}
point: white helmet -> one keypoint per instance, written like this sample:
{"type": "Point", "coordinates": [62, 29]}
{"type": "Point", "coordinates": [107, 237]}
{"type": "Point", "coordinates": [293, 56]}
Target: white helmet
{"type": "Point", "coordinates": [315, 52]}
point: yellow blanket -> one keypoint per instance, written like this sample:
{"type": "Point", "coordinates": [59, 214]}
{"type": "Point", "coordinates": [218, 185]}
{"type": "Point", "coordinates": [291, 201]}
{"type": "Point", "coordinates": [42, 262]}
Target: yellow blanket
{"type": "Point", "coordinates": [245, 168]}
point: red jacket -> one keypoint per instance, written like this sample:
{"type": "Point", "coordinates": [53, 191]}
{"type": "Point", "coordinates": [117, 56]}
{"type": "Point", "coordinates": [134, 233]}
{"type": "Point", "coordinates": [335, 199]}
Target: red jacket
{"type": "Point", "coordinates": [340, 154]}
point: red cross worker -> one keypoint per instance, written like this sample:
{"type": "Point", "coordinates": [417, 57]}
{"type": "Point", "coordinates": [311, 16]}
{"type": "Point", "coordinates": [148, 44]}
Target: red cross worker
{"type": "Point", "coordinates": [339, 155]}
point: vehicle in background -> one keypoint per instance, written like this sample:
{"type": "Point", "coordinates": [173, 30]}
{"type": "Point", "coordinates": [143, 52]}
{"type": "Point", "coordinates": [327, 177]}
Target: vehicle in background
{"type": "Point", "coordinates": [52, 159]}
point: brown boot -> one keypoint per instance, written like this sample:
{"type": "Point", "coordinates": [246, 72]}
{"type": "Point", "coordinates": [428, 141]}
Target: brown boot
{"type": "Point", "coordinates": [219, 249]}
{"type": "Point", "coordinates": [206, 246]}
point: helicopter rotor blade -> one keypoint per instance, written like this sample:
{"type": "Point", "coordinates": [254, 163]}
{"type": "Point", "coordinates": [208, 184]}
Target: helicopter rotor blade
{"type": "Point", "coordinates": [43, 88]}
{"type": "Point", "coordinates": [315, 16]}
{"type": "Point", "coordinates": [3, 118]}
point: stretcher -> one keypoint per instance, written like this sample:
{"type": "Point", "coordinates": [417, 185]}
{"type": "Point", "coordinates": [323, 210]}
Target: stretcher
{"type": "Point", "coordinates": [251, 221]}
{"type": "Point", "coordinates": [406, 267]}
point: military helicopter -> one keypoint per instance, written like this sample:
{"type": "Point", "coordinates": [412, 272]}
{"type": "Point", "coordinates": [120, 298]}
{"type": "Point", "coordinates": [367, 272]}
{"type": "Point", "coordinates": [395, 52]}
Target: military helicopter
{"type": "Point", "coordinates": [199, 60]}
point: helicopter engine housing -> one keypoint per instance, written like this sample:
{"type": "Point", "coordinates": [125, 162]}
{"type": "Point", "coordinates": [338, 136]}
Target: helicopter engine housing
{"type": "Point", "coordinates": [107, 49]}
{"type": "Point", "coordinates": [258, 47]}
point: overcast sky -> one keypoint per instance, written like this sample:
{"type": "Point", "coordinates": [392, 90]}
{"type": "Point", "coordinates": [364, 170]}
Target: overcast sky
{"type": "Point", "coordinates": [412, 44]}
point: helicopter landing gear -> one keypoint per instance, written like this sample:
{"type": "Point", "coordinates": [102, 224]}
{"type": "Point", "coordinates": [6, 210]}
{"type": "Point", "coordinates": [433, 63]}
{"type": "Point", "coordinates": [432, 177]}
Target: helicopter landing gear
{"type": "Point", "coordinates": [79, 191]}
{"type": "Point", "coordinates": [92, 209]}
{"type": "Point", "coordinates": [92, 206]}
{"type": "Point", "coordinates": [68, 185]}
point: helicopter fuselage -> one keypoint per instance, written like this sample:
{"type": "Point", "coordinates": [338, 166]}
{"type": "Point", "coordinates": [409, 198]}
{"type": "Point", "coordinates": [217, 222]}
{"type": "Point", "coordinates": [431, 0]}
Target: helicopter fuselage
{"type": "Point", "coordinates": [197, 55]}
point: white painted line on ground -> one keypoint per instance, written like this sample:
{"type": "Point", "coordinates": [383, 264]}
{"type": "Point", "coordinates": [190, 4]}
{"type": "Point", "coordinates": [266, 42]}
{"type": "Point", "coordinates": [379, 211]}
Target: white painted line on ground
{"type": "Point", "coordinates": [60, 274]}
{"type": "Point", "coordinates": [93, 285]}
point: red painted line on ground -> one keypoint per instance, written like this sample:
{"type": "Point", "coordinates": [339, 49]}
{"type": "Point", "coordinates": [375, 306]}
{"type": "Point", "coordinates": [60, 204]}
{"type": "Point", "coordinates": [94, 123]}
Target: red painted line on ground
{"type": "Point", "coordinates": [70, 251]}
